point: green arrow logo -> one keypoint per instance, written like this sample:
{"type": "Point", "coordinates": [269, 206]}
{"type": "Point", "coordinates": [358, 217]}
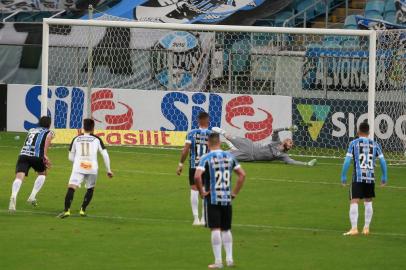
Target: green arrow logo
{"type": "Point", "coordinates": [314, 116]}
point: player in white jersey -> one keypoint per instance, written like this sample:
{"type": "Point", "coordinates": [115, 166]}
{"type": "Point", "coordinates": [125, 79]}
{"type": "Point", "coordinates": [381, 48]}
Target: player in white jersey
{"type": "Point", "coordinates": [83, 153]}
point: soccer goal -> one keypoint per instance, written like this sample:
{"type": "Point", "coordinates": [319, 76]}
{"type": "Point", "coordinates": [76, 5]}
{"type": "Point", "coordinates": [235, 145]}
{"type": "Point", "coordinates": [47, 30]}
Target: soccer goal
{"type": "Point", "coordinates": [146, 82]}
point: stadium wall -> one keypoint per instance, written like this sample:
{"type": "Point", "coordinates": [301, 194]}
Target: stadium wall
{"type": "Point", "coordinates": [164, 117]}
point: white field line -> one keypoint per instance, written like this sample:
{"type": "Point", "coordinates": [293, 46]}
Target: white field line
{"type": "Point", "coordinates": [279, 180]}
{"type": "Point", "coordinates": [161, 220]}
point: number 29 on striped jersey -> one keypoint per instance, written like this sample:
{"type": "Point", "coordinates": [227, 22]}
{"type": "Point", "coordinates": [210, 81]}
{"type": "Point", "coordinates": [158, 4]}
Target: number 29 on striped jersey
{"type": "Point", "coordinates": [222, 179]}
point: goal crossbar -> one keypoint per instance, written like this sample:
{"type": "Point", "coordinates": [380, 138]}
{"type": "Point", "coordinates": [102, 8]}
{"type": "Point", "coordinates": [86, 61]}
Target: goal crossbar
{"type": "Point", "coordinates": [207, 27]}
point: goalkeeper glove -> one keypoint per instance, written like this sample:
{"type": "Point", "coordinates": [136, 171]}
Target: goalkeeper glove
{"type": "Point", "coordinates": [293, 128]}
{"type": "Point", "coordinates": [312, 162]}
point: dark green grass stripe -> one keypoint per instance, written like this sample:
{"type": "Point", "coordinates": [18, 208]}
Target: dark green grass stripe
{"type": "Point", "coordinates": [160, 220]}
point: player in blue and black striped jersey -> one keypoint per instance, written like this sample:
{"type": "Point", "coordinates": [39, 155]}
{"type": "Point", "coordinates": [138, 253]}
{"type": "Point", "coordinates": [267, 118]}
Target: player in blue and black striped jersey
{"type": "Point", "coordinates": [34, 154]}
{"type": "Point", "coordinates": [195, 146]}
{"type": "Point", "coordinates": [215, 170]}
{"type": "Point", "coordinates": [364, 151]}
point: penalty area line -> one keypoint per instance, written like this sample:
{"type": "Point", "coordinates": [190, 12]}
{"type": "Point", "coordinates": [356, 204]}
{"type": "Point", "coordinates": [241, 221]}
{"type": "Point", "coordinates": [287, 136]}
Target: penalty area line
{"type": "Point", "coordinates": [160, 220]}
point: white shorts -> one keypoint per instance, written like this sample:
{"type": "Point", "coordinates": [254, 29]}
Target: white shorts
{"type": "Point", "coordinates": [78, 178]}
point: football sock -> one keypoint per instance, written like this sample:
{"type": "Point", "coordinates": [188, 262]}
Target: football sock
{"type": "Point", "coordinates": [227, 238]}
{"type": "Point", "coordinates": [216, 244]}
{"type": "Point", "coordinates": [69, 198]}
{"type": "Point", "coordinates": [354, 215]}
{"type": "Point", "coordinates": [88, 197]}
{"type": "Point", "coordinates": [16, 187]}
{"type": "Point", "coordinates": [368, 213]}
{"type": "Point", "coordinates": [194, 200]}
{"type": "Point", "coordinates": [39, 182]}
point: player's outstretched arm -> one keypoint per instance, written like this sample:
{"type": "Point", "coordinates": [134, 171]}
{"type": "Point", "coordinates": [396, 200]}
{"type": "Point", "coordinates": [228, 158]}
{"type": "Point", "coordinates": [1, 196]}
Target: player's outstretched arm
{"type": "Point", "coordinates": [290, 161]}
{"type": "Point", "coordinates": [344, 170]}
{"type": "Point", "coordinates": [183, 156]}
{"type": "Point", "coordinates": [384, 169]}
{"type": "Point", "coordinates": [291, 128]}
{"type": "Point", "coordinates": [106, 159]}
{"type": "Point", "coordinates": [240, 181]}
{"type": "Point", "coordinates": [275, 132]}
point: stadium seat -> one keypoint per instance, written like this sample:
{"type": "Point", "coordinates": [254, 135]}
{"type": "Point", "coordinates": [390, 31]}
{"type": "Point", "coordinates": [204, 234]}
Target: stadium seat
{"type": "Point", "coordinates": [390, 6]}
{"type": "Point", "coordinates": [332, 41]}
{"type": "Point", "coordinates": [302, 5]}
{"type": "Point", "coordinates": [331, 45]}
{"type": "Point", "coordinates": [314, 46]}
{"type": "Point", "coordinates": [240, 55]}
{"type": "Point", "coordinates": [390, 11]}
{"type": "Point", "coordinates": [351, 42]}
{"type": "Point", "coordinates": [375, 16]}
{"type": "Point", "coordinates": [375, 7]}
{"type": "Point", "coordinates": [321, 7]}
{"type": "Point", "coordinates": [262, 39]}
{"type": "Point", "coordinates": [282, 17]}
{"type": "Point", "coordinates": [350, 22]}
{"type": "Point", "coordinates": [390, 17]}
{"type": "Point", "coordinates": [372, 13]}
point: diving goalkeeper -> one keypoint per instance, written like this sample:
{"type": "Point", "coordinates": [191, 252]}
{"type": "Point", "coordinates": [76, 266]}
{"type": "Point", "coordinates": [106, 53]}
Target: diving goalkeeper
{"type": "Point", "coordinates": [245, 150]}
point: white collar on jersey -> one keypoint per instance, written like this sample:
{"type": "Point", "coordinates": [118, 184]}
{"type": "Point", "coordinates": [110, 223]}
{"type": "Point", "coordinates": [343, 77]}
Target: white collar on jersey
{"type": "Point", "coordinates": [217, 150]}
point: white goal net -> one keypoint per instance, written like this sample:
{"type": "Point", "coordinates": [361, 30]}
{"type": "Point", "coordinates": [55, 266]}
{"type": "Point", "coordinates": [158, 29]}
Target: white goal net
{"type": "Point", "coordinates": [390, 101]}
{"type": "Point", "coordinates": [146, 80]}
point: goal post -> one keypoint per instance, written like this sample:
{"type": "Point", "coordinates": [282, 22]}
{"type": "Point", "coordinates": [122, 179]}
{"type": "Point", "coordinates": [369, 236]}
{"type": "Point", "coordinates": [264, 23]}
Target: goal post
{"type": "Point", "coordinates": [250, 79]}
{"type": "Point", "coordinates": [372, 82]}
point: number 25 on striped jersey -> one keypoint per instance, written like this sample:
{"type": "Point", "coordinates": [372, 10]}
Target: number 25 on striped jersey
{"type": "Point", "coordinates": [85, 149]}
{"type": "Point", "coordinates": [366, 162]}
{"type": "Point", "coordinates": [222, 179]}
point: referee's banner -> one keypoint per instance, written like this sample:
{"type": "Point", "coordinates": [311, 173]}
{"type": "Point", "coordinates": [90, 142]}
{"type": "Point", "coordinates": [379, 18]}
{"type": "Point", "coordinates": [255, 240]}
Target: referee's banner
{"type": "Point", "coordinates": [249, 116]}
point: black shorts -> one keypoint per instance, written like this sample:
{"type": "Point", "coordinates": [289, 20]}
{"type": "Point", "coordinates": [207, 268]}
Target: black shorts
{"type": "Point", "coordinates": [192, 176]}
{"type": "Point", "coordinates": [218, 216]}
{"type": "Point", "coordinates": [24, 163]}
{"type": "Point", "coordinates": [361, 190]}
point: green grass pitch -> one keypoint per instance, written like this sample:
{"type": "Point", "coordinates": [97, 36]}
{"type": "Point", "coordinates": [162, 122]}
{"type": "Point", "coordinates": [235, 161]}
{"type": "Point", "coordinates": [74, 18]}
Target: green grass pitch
{"type": "Point", "coordinates": [285, 217]}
